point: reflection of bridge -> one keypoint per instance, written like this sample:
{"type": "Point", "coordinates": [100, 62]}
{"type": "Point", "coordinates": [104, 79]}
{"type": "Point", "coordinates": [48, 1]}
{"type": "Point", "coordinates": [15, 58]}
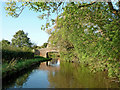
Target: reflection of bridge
{"type": "Point", "coordinates": [44, 51]}
{"type": "Point", "coordinates": [50, 65]}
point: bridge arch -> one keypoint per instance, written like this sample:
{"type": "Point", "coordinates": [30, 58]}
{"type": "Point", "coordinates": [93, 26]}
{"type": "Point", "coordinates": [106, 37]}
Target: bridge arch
{"type": "Point", "coordinates": [47, 55]}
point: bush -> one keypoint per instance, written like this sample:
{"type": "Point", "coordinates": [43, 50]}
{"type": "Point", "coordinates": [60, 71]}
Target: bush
{"type": "Point", "coordinates": [10, 53]}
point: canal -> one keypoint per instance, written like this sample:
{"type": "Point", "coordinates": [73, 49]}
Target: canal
{"type": "Point", "coordinates": [56, 74]}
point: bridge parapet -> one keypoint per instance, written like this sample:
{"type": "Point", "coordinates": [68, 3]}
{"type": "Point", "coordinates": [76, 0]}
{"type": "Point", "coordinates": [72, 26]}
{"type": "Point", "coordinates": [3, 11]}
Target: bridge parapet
{"type": "Point", "coordinates": [44, 51]}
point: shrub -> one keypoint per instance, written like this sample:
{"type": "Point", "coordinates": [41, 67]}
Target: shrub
{"type": "Point", "coordinates": [9, 53]}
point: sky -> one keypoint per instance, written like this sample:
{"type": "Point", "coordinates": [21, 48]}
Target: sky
{"type": "Point", "coordinates": [28, 21]}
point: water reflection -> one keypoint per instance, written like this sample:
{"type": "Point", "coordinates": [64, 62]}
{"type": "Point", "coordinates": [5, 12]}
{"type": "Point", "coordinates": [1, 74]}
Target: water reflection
{"type": "Point", "coordinates": [37, 78]}
{"type": "Point", "coordinates": [71, 75]}
{"type": "Point", "coordinates": [56, 74]}
{"type": "Point", "coordinates": [50, 65]}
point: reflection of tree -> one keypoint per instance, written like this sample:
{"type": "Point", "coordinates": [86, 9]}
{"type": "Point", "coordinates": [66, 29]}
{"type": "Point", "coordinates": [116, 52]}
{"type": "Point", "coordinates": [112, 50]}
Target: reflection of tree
{"type": "Point", "coordinates": [20, 81]}
{"type": "Point", "coordinates": [54, 61]}
{"type": "Point", "coordinates": [72, 76]}
{"type": "Point", "coordinates": [20, 78]}
{"type": "Point", "coordinates": [17, 82]}
{"type": "Point", "coordinates": [62, 78]}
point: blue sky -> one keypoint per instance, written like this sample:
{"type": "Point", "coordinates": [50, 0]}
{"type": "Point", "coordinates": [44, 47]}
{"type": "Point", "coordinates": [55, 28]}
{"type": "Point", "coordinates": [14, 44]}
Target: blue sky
{"type": "Point", "coordinates": [27, 21]}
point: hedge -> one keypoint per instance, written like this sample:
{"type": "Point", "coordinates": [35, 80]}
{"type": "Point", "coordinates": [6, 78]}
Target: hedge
{"type": "Point", "coordinates": [8, 55]}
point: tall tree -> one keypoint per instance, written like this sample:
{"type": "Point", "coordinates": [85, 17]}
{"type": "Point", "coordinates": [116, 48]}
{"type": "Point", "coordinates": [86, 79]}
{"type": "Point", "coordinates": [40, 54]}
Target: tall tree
{"type": "Point", "coordinates": [20, 39]}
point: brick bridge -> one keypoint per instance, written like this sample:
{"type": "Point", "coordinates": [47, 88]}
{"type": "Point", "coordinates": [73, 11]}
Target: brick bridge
{"type": "Point", "coordinates": [44, 51]}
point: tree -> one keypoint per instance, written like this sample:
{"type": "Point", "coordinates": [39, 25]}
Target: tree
{"type": "Point", "coordinates": [5, 42]}
{"type": "Point", "coordinates": [91, 35]}
{"type": "Point", "coordinates": [15, 9]}
{"type": "Point", "coordinates": [20, 39]}
{"type": "Point", "coordinates": [44, 45]}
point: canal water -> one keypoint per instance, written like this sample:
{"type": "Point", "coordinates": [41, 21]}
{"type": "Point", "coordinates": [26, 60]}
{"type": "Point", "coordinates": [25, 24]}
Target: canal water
{"type": "Point", "coordinates": [56, 74]}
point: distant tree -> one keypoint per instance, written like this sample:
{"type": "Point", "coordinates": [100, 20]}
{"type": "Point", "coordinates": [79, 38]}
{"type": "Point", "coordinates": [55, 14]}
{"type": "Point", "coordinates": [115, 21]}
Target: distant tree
{"type": "Point", "coordinates": [44, 45]}
{"type": "Point", "coordinates": [35, 46]}
{"type": "Point", "coordinates": [5, 42]}
{"type": "Point", "coordinates": [20, 39]}
{"type": "Point", "coordinates": [38, 47]}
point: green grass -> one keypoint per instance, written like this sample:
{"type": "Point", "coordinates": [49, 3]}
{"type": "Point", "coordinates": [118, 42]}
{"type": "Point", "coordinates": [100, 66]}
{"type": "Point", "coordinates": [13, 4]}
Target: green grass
{"type": "Point", "coordinates": [14, 66]}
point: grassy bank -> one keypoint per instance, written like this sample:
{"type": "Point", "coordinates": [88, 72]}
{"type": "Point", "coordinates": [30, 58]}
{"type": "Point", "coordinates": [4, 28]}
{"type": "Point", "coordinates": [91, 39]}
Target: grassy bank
{"type": "Point", "coordinates": [15, 66]}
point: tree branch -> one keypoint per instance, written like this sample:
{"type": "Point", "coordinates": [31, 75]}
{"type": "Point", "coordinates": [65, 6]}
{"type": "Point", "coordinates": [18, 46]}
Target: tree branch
{"type": "Point", "coordinates": [116, 12]}
{"type": "Point", "coordinates": [86, 5]}
{"type": "Point", "coordinates": [59, 4]}
{"type": "Point", "coordinates": [18, 14]}
{"type": "Point", "coordinates": [119, 4]}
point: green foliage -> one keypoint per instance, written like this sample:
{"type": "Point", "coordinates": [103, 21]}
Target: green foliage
{"type": "Point", "coordinates": [20, 39]}
{"type": "Point", "coordinates": [14, 9]}
{"type": "Point", "coordinates": [53, 55]}
{"type": "Point", "coordinates": [12, 67]}
{"type": "Point", "coordinates": [90, 34]}
{"type": "Point", "coordinates": [21, 47]}
{"type": "Point", "coordinates": [9, 55]}
{"type": "Point", "coordinates": [44, 45]}
{"type": "Point", "coordinates": [39, 47]}
{"type": "Point", "coordinates": [35, 46]}
{"type": "Point", "coordinates": [5, 43]}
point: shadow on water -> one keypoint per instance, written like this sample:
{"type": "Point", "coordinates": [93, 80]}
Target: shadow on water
{"type": "Point", "coordinates": [56, 74]}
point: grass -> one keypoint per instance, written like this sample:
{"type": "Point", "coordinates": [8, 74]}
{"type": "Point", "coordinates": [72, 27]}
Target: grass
{"type": "Point", "coordinates": [18, 65]}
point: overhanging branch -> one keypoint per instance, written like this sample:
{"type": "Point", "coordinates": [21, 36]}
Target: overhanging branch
{"type": "Point", "coordinates": [86, 5]}
{"type": "Point", "coordinates": [116, 12]}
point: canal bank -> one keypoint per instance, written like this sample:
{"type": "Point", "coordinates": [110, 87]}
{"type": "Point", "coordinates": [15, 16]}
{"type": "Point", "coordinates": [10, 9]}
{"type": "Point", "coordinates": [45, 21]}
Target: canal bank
{"type": "Point", "coordinates": [17, 66]}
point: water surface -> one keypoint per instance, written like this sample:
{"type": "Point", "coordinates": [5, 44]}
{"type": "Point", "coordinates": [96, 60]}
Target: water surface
{"type": "Point", "coordinates": [56, 74]}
